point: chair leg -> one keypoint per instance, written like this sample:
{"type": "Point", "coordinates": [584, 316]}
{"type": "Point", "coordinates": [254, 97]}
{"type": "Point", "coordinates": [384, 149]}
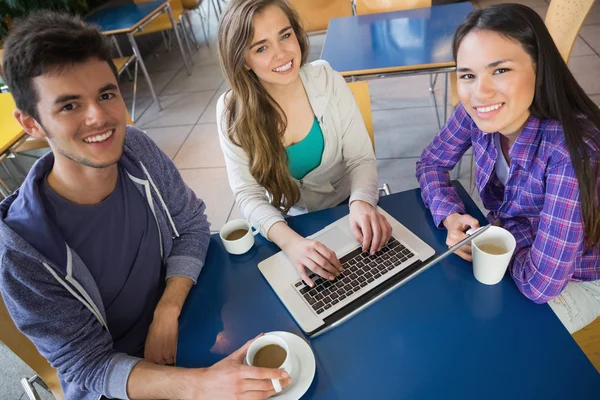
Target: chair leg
{"type": "Point", "coordinates": [30, 391]}
{"type": "Point", "coordinates": [135, 77]}
{"type": "Point", "coordinates": [186, 39]}
{"type": "Point", "coordinates": [166, 41]}
{"type": "Point", "coordinates": [4, 190]}
{"type": "Point", "coordinates": [385, 190]}
{"type": "Point", "coordinates": [187, 19]}
{"type": "Point", "coordinates": [204, 22]}
{"type": "Point", "coordinates": [17, 164]}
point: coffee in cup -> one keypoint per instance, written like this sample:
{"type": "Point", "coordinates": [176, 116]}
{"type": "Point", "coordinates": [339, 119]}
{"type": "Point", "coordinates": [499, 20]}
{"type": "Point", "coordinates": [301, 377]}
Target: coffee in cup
{"type": "Point", "coordinates": [491, 248]}
{"type": "Point", "coordinates": [237, 236]}
{"type": "Point", "coordinates": [270, 356]}
{"type": "Point", "coordinates": [492, 252]}
{"type": "Point", "coordinates": [271, 351]}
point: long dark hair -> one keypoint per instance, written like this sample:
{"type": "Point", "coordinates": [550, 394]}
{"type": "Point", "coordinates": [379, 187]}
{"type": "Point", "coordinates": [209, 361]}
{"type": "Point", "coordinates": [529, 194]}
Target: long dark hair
{"type": "Point", "coordinates": [557, 96]}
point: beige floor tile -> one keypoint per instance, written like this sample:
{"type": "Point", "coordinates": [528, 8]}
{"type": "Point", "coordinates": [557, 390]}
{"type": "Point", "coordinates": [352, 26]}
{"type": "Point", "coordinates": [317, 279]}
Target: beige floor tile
{"type": "Point", "coordinates": [202, 78]}
{"type": "Point", "coordinates": [586, 70]}
{"type": "Point", "coordinates": [169, 140]}
{"type": "Point", "coordinates": [201, 149]}
{"type": "Point", "coordinates": [591, 34]}
{"type": "Point", "coordinates": [180, 109]}
{"type": "Point", "coordinates": [404, 92]}
{"type": "Point", "coordinates": [164, 61]}
{"type": "Point", "coordinates": [141, 105]}
{"type": "Point", "coordinates": [581, 48]}
{"type": "Point", "coordinates": [593, 17]}
{"type": "Point", "coordinates": [210, 115]}
{"type": "Point", "coordinates": [405, 132]}
{"type": "Point", "coordinates": [159, 80]}
{"type": "Point", "coordinates": [211, 185]}
{"type": "Point", "coordinates": [236, 213]}
{"type": "Point", "coordinates": [596, 99]}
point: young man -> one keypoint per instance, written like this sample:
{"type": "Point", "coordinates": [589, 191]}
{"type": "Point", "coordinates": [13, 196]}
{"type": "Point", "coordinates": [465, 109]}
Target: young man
{"type": "Point", "coordinates": [100, 246]}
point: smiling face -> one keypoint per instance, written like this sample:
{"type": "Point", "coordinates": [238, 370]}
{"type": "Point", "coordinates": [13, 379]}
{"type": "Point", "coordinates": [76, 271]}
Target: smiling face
{"type": "Point", "coordinates": [81, 113]}
{"type": "Point", "coordinates": [496, 81]}
{"type": "Point", "coordinates": [274, 54]}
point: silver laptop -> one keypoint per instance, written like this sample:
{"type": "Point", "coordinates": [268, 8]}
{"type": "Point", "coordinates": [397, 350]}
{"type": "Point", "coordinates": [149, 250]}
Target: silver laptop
{"type": "Point", "coordinates": [364, 280]}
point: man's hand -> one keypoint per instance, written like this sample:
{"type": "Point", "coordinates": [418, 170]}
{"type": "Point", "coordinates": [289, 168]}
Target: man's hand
{"type": "Point", "coordinates": [369, 227]}
{"type": "Point", "coordinates": [161, 342]}
{"type": "Point", "coordinates": [457, 225]}
{"type": "Point", "coordinates": [230, 379]}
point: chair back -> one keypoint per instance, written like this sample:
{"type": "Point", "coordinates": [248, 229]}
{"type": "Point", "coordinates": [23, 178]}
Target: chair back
{"type": "Point", "coordinates": [315, 14]}
{"type": "Point", "coordinates": [176, 5]}
{"type": "Point", "coordinates": [564, 20]}
{"type": "Point", "coordinates": [379, 6]}
{"type": "Point", "coordinates": [191, 4]}
{"type": "Point", "coordinates": [360, 90]}
{"type": "Point", "coordinates": [26, 351]}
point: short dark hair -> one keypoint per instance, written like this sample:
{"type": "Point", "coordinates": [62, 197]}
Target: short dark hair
{"type": "Point", "coordinates": [48, 42]}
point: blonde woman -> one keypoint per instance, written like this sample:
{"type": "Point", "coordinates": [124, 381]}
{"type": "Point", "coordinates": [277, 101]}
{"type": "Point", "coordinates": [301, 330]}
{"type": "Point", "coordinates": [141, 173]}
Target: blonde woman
{"type": "Point", "coordinates": [292, 135]}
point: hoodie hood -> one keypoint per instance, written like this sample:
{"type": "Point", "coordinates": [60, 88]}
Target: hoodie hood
{"type": "Point", "coordinates": [25, 208]}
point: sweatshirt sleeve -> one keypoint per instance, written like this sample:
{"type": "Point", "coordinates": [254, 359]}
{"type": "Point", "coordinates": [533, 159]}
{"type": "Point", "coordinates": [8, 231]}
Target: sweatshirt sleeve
{"type": "Point", "coordinates": [186, 210]}
{"type": "Point", "coordinates": [249, 195]}
{"type": "Point", "coordinates": [436, 162]}
{"type": "Point", "coordinates": [62, 328]}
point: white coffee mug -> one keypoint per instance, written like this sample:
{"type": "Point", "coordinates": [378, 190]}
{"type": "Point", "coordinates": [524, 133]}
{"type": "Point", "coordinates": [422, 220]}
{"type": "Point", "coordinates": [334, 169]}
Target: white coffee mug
{"type": "Point", "coordinates": [288, 363]}
{"type": "Point", "coordinates": [489, 268]}
{"type": "Point", "coordinates": [241, 245]}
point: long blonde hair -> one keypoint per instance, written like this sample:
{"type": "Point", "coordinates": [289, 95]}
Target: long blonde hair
{"type": "Point", "coordinates": [256, 122]}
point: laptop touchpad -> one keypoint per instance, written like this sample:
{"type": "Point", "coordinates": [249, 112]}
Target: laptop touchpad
{"type": "Point", "coordinates": [336, 239]}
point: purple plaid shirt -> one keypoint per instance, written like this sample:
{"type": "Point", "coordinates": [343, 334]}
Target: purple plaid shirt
{"type": "Point", "coordinates": [539, 205]}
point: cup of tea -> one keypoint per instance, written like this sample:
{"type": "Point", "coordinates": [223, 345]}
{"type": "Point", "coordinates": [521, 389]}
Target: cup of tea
{"type": "Point", "coordinates": [237, 236]}
{"type": "Point", "coordinates": [270, 351]}
{"type": "Point", "coordinates": [492, 251]}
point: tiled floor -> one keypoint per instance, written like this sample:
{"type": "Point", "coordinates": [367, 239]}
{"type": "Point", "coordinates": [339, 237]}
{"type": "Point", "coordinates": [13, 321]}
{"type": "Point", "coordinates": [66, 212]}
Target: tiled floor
{"type": "Point", "coordinates": [403, 118]}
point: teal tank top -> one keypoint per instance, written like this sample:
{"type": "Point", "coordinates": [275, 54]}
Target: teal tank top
{"type": "Point", "coordinates": [306, 155]}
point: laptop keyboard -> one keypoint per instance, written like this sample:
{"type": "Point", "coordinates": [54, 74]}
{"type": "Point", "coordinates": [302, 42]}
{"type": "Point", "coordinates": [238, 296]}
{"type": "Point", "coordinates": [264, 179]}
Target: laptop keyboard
{"type": "Point", "coordinates": [360, 273]}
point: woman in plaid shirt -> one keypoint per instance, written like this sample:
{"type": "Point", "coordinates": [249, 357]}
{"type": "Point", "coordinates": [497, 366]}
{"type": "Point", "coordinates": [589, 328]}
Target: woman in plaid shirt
{"type": "Point", "coordinates": [536, 142]}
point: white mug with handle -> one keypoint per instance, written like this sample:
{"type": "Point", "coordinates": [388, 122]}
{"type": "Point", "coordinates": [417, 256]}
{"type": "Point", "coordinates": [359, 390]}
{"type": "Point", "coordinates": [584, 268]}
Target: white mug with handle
{"type": "Point", "coordinates": [238, 245]}
{"type": "Point", "coordinates": [288, 363]}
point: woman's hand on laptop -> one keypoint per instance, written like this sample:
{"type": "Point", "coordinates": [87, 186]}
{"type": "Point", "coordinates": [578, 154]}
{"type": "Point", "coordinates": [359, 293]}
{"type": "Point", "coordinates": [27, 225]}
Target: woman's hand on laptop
{"type": "Point", "coordinates": [315, 256]}
{"type": "Point", "coordinates": [305, 253]}
{"type": "Point", "coordinates": [457, 224]}
{"type": "Point", "coordinates": [369, 227]}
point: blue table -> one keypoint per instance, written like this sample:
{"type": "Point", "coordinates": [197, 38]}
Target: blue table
{"type": "Point", "coordinates": [441, 335]}
{"type": "Point", "coordinates": [406, 42]}
{"type": "Point", "coordinates": [130, 19]}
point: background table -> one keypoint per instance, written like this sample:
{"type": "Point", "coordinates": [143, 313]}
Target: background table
{"type": "Point", "coordinates": [131, 18]}
{"type": "Point", "coordinates": [441, 335]}
{"type": "Point", "coordinates": [409, 42]}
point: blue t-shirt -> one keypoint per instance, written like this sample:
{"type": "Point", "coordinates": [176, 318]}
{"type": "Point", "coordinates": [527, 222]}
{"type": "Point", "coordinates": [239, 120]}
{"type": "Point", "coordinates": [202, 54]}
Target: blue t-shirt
{"type": "Point", "coordinates": [118, 241]}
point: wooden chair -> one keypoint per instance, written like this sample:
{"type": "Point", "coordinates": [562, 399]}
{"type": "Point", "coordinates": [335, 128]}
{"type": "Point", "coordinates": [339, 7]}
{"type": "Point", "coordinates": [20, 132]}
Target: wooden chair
{"type": "Point", "coordinates": [363, 7]}
{"type": "Point", "coordinates": [162, 23]}
{"type": "Point", "coordinates": [196, 5]}
{"type": "Point", "coordinates": [564, 20]}
{"type": "Point", "coordinates": [360, 90]}
{"type": "Point", "coordinates": [26, 351]}
{"type": "Point", "coordinates": [316, 14]}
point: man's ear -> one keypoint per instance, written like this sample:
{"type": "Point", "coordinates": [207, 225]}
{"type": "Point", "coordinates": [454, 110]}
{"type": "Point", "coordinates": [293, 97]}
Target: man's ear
{"type": "Point", "coordinates": [29, 124]}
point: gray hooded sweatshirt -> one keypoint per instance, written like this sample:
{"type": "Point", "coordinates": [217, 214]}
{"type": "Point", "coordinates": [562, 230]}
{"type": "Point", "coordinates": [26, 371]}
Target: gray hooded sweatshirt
{"type": "Point", "coordinates": [50, 293]}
